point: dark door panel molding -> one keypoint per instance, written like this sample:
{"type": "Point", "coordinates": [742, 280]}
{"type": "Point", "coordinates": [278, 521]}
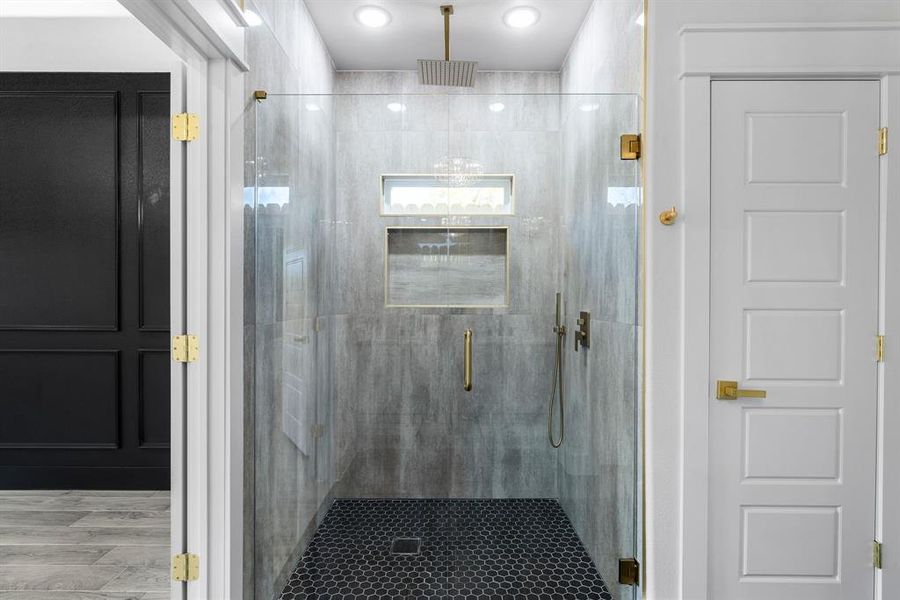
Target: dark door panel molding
{"type": "Point", "coordinates": [76, 217]}
{"type": "Point", "coordinates": [153, 398]}
{"type": "Point", "coordinates": [153, 211]}
{"type": "Point", "coordinates": [61, 399]}
{"type": "Point", "coordinates": [84, 257]}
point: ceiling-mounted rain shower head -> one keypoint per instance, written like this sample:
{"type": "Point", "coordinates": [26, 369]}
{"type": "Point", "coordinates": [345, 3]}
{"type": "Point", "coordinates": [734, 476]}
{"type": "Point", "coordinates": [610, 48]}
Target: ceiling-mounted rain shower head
{"type": "Point", "coordinates": [457, 73]}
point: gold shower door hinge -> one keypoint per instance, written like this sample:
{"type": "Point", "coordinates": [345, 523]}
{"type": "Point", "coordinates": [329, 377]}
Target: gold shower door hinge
{"type": "Point", "coordinates": [882, 141]}
{"type": "Point", "coordinates": [630, 146]}
{"type": "Point", "coordinates": [879, 348]}
{"type": "Point", "coordinates": [876, 554]}
{"type": "Point", "coordinates": [185, 127]}
{"type": "Point", "coordinates": [629, 571]}
{"type": "Point", "coordinates": [185, 348]}
{"type": "Point", "coordinates": [185, 567]}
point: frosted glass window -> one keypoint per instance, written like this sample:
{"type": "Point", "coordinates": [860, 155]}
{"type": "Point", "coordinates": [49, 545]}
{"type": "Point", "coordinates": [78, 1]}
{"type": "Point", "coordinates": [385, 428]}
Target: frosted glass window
{"type": "Point", "coordinates": [430, 195]}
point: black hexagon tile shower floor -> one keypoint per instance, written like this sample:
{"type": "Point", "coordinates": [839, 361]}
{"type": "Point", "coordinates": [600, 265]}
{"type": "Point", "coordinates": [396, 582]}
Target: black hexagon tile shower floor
{"type": "Point", "coordinates": [490, 549]}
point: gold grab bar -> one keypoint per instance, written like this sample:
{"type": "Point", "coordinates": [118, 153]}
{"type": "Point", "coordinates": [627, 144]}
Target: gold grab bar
{"type": "Point", "coordinates": [728, 390]}
{"type": "Point", "coordinates": [467, 361]}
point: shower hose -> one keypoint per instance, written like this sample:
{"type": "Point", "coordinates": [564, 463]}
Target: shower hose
{"type": "Point", "coordinates": [557, 381]}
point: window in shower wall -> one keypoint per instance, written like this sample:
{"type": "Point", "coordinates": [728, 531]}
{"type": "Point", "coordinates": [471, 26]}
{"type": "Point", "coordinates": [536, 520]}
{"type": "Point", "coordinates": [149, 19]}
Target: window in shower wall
{"type": "Point", "coordinates": [442, 195]}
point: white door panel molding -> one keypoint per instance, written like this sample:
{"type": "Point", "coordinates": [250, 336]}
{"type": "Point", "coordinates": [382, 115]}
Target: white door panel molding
{"type": "Point", "coordinates": [805, 49]}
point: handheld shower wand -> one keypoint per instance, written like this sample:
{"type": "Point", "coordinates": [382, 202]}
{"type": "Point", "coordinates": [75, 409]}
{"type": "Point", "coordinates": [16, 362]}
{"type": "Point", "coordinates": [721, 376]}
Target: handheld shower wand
{"type": "Point", "coordinates": [560, 331]}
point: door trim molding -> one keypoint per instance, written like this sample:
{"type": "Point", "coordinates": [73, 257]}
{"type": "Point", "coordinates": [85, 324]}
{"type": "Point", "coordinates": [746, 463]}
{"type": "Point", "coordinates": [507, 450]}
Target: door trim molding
{"type": "Point", "coordinates": [207, 293]}
{"type": "Point", "coordinates": [788, 49]}
{"type": "Point", "coordinates": [774, 51]}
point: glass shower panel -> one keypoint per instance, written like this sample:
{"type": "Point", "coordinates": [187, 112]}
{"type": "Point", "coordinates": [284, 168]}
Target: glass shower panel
{"type": "Point", "coordinates": [290, 417]}
{"type": "Point", "coordinates": [361, 306]}
{"type": "Point", "coordinates": [599, 469]}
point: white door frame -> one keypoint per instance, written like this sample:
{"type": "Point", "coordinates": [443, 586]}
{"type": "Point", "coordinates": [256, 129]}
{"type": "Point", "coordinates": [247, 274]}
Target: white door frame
{"type": "Point", "coordinates": [780, 51]}
{"type": "Point", "coordinates": [207, 294]}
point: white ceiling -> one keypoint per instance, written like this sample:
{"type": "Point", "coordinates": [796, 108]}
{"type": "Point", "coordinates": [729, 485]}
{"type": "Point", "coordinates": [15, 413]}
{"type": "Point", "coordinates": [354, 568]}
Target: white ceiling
{"type": "Point", "coordinates": [62, 8]}
{"type": "Point", "coordinates": [477, 32]}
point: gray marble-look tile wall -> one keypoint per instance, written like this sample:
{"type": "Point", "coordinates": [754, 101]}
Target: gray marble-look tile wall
{"type": "Point", "coordinates": [289, 155]}
{"type": "Point", "coordinates": [405, 427]}
{"type": "Point", "coordinates": [599, 468]}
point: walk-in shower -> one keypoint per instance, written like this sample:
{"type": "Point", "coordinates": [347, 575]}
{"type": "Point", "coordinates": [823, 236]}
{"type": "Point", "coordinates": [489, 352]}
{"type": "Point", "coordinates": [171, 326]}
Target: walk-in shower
{"type": "Point", "coordinates": [409, 246]}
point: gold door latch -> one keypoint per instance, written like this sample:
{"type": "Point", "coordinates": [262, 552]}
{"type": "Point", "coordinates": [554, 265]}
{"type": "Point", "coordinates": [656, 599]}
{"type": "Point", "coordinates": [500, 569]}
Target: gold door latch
{"type": "Point", "coordinates": [728, 390]}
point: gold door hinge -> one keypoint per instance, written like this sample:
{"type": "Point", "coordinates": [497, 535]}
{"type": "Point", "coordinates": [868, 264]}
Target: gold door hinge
{"type": "Point", "coordinates": [186, 127]}
{"type": "Point", "coordinates": [876, 554]}
{"type": "Point", "coordinates": [260, 95]}
{"type": "Point", "coordinates": [185, 348]}
{"type": "Point", "coordinates": [879, 348]}
{"type": "Point", "coordinates": [882, 141]}
{"type": "Point", "coordinates": [629, 571]}
{"type": "Point", "coordinates": [185, 567]}
{"type": "Point", "coordinates": [630, 146]}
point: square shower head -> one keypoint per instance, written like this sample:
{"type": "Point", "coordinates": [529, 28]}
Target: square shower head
{"type": "Point", "coordinates": [457, 73]}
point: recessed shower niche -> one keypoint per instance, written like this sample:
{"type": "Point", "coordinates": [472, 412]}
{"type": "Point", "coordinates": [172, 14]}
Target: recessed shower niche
{"type": "Point", "coordinates": [447, 266]}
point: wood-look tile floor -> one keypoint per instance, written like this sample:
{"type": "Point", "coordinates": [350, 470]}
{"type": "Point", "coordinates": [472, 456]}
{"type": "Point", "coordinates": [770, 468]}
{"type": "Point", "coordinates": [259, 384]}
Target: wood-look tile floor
{"type": "Point", "coordinates": [84, 545]}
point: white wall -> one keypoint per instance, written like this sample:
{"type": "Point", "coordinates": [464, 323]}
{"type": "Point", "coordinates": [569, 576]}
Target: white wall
{"type": "Point", "coordinates": [665, 247]}
{"type": "Point", "coordinates": [81, 44]}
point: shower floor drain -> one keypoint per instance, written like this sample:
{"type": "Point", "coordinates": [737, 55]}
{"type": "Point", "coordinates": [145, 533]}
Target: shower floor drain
{"type": "Point", "coordinates": [406, 545]}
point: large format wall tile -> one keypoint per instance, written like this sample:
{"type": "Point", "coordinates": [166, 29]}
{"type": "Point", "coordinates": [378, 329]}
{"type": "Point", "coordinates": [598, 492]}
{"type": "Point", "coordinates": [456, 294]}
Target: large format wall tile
{"type": "Point", "coordinates": [415, 431]}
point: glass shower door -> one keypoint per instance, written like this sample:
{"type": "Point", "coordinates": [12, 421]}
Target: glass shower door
{"type": "Point", "coordinates": [571, 226]}
{"type": "Point", "coordinates": [599, 462]}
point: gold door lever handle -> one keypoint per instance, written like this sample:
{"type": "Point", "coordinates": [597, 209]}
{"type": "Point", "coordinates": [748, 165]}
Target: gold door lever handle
{"type": "Point", "coordinates": [728, 390]}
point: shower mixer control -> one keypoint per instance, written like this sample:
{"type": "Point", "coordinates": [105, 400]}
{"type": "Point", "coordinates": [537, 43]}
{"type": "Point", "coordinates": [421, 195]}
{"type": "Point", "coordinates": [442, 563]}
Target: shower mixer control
{"type": "Point", "coordinates": [583, 333]}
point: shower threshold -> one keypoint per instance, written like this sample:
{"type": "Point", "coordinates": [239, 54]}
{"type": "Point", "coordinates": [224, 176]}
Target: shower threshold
{"type": "Point", "coordinates": [517, 549]}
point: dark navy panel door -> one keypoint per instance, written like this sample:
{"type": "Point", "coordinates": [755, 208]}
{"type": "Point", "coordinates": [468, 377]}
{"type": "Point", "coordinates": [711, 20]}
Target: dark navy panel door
{"type": "Point", "coordinates": [84, 280]}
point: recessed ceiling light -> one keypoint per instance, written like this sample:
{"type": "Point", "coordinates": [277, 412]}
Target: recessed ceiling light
{"type": "Point", "coordinates": [252, 18]}
{"type": "Point", "coordinates": [521, 16]}
{"type": "Point", "coordinates": [396, 107]}
{"type": "Point", "coordinates": [313, 107]}
{"type": "Point", "coordinates": [372, 16]}
{"type": "Point", "coordinates": [496, 106]}
{"type": "Point", "coordinates": [640, 20]}
{"type": "Point", "coordinates": [589, 107]}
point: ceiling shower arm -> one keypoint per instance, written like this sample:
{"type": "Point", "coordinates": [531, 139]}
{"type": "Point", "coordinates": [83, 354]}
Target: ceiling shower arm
{"type": "Point", "coordinates": [447, 10]}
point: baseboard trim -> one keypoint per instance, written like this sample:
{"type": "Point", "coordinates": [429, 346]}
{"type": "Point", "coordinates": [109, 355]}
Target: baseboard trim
{"type": "Point", "coordinates": [84, 478]}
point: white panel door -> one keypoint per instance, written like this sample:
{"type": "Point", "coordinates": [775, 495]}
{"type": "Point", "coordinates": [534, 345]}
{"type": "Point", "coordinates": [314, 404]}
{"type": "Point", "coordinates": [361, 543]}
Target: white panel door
{"type": "Point", "coordinates": [793, 309]}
